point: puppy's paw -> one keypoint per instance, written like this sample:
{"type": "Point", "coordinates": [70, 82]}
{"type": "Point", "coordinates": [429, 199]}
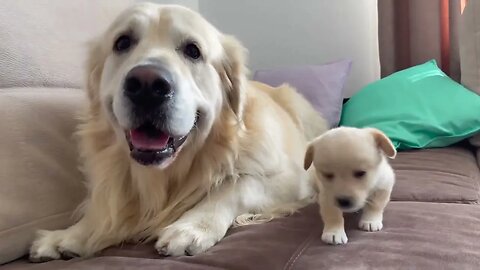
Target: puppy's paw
{"type": "Point", "coordinates": [370, 225]}
{"type": "Point", "coordinates": [53, 245]}
{"type": "Point", "coordinates": [187, 239]}
{"type": "Point", "coordinates": [335, 237]}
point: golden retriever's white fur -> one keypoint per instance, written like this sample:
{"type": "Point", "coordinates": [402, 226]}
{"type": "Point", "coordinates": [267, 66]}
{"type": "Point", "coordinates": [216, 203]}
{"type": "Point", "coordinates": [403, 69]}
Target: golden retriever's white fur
{"type": "Point", "coordinates": [242, 159]}
{"type": "Point", "coordinates": [353, 173]}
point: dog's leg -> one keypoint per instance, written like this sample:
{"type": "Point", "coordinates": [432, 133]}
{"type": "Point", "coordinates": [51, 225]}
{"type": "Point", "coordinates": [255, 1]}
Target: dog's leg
{"type": "Point", "coordinates": [202, 226]}
{"type": "Point", "coordinates": [59, 244]}
{"type": "Point", "coordinates": [207, 222]}
{"type": "Point", "coordinates": [372, 217]}
{"type": "Point", "coordinates": [332, 216]}
{"type": "Point", "coordinates": [79, 240]}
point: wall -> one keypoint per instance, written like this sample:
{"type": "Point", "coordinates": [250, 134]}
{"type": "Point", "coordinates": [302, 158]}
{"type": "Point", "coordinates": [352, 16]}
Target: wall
{"type": "Point", "coordinates": [286, 32]}
{"type": "Point", "coordinates": [193, 4]}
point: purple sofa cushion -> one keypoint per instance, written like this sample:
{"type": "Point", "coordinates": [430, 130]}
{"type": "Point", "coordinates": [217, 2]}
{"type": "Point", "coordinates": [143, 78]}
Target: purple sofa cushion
{"type": "Point", "coordinates": [322, 85]}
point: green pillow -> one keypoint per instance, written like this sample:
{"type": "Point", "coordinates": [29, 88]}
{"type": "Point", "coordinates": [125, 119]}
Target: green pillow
{"type": "Point", "coordinates": [419, 107]}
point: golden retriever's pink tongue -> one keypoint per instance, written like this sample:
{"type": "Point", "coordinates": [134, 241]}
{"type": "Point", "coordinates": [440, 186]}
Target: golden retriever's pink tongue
{"type": "Point", "coordinates": [141, 140]}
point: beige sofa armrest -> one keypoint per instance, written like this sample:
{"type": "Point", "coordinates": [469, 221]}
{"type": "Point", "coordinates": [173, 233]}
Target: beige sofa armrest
{"type": "Point", "coordinates": [40, 184]}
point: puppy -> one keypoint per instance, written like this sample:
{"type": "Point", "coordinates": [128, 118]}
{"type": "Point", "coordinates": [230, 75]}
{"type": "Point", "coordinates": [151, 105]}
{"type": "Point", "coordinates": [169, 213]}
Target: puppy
{"type": "Point", "coordinates": [352, 173]}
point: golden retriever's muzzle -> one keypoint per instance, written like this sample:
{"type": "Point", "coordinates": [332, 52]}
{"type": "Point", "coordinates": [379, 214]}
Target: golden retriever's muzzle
{"type": "Point", "coordinates": [150, 88]}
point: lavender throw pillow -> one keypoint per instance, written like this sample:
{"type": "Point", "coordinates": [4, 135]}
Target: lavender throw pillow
{"type": "Point", "coordinates": [322, 85]}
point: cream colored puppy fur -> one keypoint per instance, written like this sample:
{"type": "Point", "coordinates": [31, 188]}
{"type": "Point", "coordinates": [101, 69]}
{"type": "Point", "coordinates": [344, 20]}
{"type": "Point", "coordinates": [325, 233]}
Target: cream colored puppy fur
{"type": "Point", "coordinates": [241, 161]}
{"type": "Point", "coordinates": [353, 173]}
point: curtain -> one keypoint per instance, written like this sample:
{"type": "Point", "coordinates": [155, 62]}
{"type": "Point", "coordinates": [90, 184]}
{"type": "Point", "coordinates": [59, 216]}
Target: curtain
{"type": "Point", "coordinates": [412, 32]}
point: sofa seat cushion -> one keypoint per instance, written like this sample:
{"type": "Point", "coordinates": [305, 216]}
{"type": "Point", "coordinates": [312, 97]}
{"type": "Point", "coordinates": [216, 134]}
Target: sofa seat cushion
{"type": "Point", "coordinates": [266, 246]}
{"type": "Point", "coordinates": [39, 180]}
{"type": "Point", "coordinates": [437, 175]}
{"type": "Point", "coordinates": [416, 235]}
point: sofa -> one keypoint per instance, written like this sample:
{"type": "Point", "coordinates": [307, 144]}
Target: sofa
{"type": "Point", "coordinates": [432, 221]}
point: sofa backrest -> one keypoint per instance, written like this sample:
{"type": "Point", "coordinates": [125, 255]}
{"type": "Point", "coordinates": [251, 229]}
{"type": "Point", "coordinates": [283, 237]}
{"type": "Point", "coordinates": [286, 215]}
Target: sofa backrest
{"type": "Point", "coordinates": [44, 42]}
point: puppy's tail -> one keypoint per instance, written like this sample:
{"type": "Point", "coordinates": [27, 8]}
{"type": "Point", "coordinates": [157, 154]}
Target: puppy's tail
{"type": "Point", "coordinates": [284, 210]}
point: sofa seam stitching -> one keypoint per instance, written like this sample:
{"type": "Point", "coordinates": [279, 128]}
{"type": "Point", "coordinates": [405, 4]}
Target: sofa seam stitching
{"type": "Point", "coordinates": [300, 250]}
{"type": "Point", "coordinates": [16, 227]}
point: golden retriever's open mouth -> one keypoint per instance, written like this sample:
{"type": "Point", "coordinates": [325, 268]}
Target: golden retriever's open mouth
{"type": "Point", "coordinates": [151, 146]}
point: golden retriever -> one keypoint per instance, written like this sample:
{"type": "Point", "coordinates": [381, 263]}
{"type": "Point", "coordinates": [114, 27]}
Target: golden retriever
{"type": "Point", "coordinates": [177, 143]}
{"type": "Point", "coordinates": [353, 173]}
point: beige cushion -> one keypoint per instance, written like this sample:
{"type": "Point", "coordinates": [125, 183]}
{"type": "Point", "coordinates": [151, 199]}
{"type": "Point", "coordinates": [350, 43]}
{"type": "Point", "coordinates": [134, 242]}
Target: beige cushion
{"type": "Point", "coordinates": [39, 179]}
{"type": "Point", "coordinates": [43, 42]}
{"type": "Point", "coordinates": [470, 46]}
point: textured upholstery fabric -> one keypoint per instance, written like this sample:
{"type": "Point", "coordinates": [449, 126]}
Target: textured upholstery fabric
{"type": "Point", "coordinates": [39, 180]}
{"type": "Point", "coordinates": [44, 42]}
{"type": "Point", "coordinates": [437, 175]}
{"type": "Point", "coordinates": [416, 236]}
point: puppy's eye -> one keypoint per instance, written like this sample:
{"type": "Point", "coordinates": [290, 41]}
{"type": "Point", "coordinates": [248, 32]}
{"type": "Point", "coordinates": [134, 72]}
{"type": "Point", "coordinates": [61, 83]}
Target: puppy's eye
{"type": "Point", "coordinates": [123, 43]}
{"type": "Point", "coordinates": [328, 176]}
{"type": "Point", "coordinates": [192, 51]}
{"type": "Point", "coordinates": [359, 174]}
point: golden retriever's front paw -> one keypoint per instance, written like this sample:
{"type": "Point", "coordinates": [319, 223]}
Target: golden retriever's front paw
{"type": "Point", "coordinates": [370, 226]}
{"type": "Point", "coordinates": [335, 237]}
{"type": "Point", "coordinates": [187, 239]}
{"type": "Point", "coordinates": [53, 245]}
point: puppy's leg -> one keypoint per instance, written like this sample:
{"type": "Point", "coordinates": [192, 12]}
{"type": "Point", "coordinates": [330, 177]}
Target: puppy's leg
{"type": "Point", "coordinates": [332, 216]}
{"type": "Point", "coordinates": [372, 216]}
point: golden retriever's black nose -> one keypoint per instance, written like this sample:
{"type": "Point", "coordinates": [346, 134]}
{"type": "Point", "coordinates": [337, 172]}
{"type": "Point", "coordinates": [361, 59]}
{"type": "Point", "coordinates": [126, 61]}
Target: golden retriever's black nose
{"type": "Point", "coordinates": [148, 84]}
{"type": "Point", "coordinates": [344, 202]}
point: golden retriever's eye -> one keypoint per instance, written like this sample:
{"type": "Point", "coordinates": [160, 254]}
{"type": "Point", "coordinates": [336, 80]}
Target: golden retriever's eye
{"type": "Point", "coordinates": [359, 174]}
{"type": "Point", "coordinates": [328, 176]}
{"type": "Point", "coordinates": [123, 43]}
{"type": "Point", "coordinates": [192, 51]}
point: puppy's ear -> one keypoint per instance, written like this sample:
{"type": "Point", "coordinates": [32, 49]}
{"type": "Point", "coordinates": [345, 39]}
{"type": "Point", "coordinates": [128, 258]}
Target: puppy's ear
{"type": "Point", "coordinates": [233, 73]}
{"type": "Point", "coordinates": [383, 142]}
{"type": "Point", "coordinates": [94, 67]}
{"type": "Point", "coordinates": [307, 162]}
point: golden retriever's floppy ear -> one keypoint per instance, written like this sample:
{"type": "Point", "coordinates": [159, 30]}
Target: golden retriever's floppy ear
{"type": "Point", "coordinates": [233, 73]}
{"type": "Point", "coordinates": [94, 68]}
{"type": "Point", "coordinates": [383, 142]}
{"type": "Point", "coordinates": [307, 162]}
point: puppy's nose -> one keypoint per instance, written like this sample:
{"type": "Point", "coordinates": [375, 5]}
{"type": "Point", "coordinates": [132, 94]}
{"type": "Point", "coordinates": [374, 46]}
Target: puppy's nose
{"type": "Point", "coordinates": [148, 84]}
{"type": "Point", "coordinates": [344, 202]}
